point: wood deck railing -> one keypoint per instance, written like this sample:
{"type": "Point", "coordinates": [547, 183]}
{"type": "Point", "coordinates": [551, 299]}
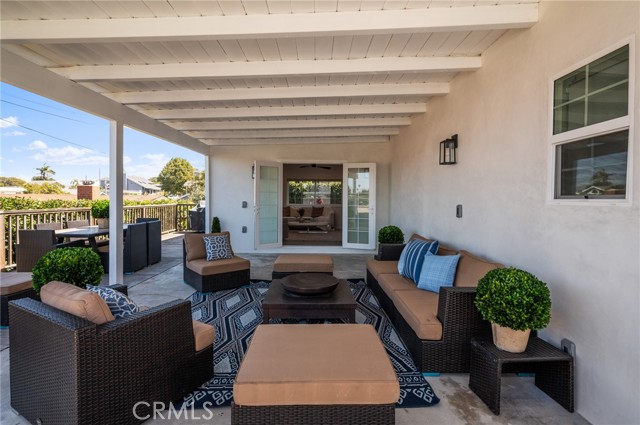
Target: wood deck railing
{"type": "Point", "coordinates": [174, 218]}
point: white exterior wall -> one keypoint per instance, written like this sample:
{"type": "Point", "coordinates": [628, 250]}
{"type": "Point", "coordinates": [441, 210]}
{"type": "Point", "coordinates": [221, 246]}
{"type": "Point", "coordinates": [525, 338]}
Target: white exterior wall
{"type": "Point", "coordinates": [588, 255]}
{"type": "Point", "coordinates": [230, 176]}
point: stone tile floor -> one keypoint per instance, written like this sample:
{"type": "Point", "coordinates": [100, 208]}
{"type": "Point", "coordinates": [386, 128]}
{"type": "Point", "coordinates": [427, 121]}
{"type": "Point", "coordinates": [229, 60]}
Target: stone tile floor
{"type": "Point", "coordinates": [522, 402]}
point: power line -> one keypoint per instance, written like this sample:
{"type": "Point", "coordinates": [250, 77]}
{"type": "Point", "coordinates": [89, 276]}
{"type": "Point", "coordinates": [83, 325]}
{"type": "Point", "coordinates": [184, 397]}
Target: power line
{"type": "Point", "coordinates": [43, 112]}
{"type": "Point", "coordinates": [53, 137]}
{"type": "Point", "coordinates": [4, 94]}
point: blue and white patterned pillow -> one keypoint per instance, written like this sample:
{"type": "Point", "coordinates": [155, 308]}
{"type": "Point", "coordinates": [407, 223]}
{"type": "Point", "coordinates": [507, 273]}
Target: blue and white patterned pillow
{"type": "Point", "coordinates": [412, 257]}
{"type": "Point", "coordinates": [437, 271]}
{"type": "Point", "coordinates": [217, 247]}
{"type": "Point", "coordinates": [119, 304]}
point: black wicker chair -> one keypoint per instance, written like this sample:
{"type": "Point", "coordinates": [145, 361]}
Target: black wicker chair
{"type": "Point", "coordinates": [154, 239]}
{"type": "Point", "coordinates": [33, 244]}
{"type": "Point", "coordinates": [67, 370]}
{"type": "Point", "coordinates": [134, 256]}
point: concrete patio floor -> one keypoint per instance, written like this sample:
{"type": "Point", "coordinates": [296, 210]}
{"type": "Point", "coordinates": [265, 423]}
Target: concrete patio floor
{"type": "Point", "coordinates": [522, 402]}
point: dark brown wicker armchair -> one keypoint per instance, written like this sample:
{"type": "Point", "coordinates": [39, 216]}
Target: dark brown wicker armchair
{"type": "Point", "coordinates": [67, 370]}
{"type": "Point", "coordinates": [33, 244]}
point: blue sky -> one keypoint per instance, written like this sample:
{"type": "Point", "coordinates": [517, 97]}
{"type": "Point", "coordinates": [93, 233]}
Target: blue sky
{"type": "Point", "coordinates": [35, 130]}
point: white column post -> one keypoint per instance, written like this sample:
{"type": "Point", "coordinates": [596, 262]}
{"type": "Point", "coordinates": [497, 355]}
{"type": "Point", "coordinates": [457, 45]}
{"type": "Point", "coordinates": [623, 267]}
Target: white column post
{"type": "Point", "coordinates": [116, 170]}
{"type": "Point", "coordinates": [208, 192]}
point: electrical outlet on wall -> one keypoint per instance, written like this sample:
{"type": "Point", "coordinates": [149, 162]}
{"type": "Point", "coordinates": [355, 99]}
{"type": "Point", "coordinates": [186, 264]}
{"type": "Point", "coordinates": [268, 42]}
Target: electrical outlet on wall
{"type": "Point", "coordinates": [568, 347]}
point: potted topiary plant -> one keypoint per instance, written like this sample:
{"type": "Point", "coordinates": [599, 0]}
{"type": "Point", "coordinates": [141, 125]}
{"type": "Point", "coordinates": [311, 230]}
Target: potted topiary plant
{"type": "Point", "coordinates": [515, 302]}
{"type": "Point", "coordinates": [215, 225]}
{"type": "Point", "coordinates": [100, 212]}
{"type": "Point", "coordinates": [77, 266]}
{"type": "Point", "coordinates": [390, 234]}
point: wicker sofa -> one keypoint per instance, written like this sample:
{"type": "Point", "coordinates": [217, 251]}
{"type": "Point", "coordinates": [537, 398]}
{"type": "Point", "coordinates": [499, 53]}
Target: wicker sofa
{"type": "Point", "coordinates": [209, 276]}
{"type": "Point", "coordinates": [66, 369]}
{"type": "Point", "coordinates": [436, 327]}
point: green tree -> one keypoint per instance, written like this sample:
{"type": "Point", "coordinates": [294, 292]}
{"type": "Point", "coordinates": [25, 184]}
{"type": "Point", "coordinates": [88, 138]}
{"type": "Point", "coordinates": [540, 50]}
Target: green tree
{"type": "Point", "coordinates": [195, 187]}
{"type": "Point", "coordinates": [174, 175]}
{"type": "Point", "coordinates": [45, 173]}
{"type": "Point", "coordinates": [11, 181]}
{"type": "Point", "coordinates": [55, 188]}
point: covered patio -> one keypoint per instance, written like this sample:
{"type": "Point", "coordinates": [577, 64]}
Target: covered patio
{"type": "Point", "coordinates": [378, 86]}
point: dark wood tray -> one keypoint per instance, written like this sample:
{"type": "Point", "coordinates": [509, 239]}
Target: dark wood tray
{"type": "Point", "coordinates": [309, 284]}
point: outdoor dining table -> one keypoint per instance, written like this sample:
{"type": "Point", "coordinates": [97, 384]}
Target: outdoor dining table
{"type": "Point", "coordinates": [87, 232]}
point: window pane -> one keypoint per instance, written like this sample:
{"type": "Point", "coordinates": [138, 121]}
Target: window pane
{"type": "Point", "coordinates": [570, 87]}
{"type": "Point", "coordinates": [609, 70]}
{"type": "Point", "coordinates": [569, 117]}
{"type": "Point", "coordinates": [594, 167]}
{"type": "Point", "coordinates": [315, 192]}
{"type": "Point", "coordinates": [608, 104]}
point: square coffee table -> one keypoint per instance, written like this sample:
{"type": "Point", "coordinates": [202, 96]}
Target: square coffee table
{"type": "Point", "coordinates": [279, 304]}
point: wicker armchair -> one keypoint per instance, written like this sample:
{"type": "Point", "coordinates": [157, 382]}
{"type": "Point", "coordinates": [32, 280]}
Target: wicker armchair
{"type": "Point", "coordinates": [67, 370]}
{"type": "Point", "coordinates": [154, 239]}
{"type": "Point", "coordinates": [134, 256]}
{"type": "Point", "coordinates": [33, 244]}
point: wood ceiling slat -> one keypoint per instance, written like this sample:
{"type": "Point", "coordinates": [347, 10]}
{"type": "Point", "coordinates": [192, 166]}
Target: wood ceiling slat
{"type": "Point", "coordinates": [378, 45]}
{"type": "Point", "coordinates": [279, 6]}
{"type": "Point", "coordinates": [137, 9]}
{"type": "Point", "coordinates": [232, 8]}
{"type": "Point", "coordinates": [341, 47]}
{"type": "Point", "coordinates": [486, 42]}
{"type": "Point", "coordinates": [451, 43]}
{"type": "Point", "coordinates": [471, 40]}
{"type": "Point", "coordinates": [215, 51]}
{"type": "Point", "coordinates": [161, 9]}
{"type": "Point", "coordinates": [372, 5]}
{"type": "Point", "coordinates": [432, 45]}
{"type": "Point", "coordinates": [251, 50]}
{"type": "Point", "coordinates": [114, 9]}
{"type": "Point", "coordinates": [255, 7]}
{"type": "Point", "coordinates": [196, 51]}
{"type": "Point", "coordinates": [269, 49]}
{"type": "Point", "coordinates": [196, 8]}
{"type": "Point", "coordinates": [360, 46]}
{"type": "Point", "coordinates": [233, 50]}
{"type": "Point", "coordinates": [348, 5]}
{"type": "Point", "coordinates": [322, 6]}
{"type": "Point", "coordinates": [302, 7]}
{"type": "Point", "coordinates": [306, 48]}
{"type": "Point", "coordinates": [323, 47]}
{"type": "Point", "coordinates": [415, 43]}
{"type": "Point", "coordinates": [396, 45]}
{"type": "Point", "coordinates": [395, 4]}
{"type": "Point", "coordinates": [178, 52]}
{"type": "Point", "coordinates": [420, 4]}
{"type": "Point", "coordinates": [13, 10]}
{"type": "Point", "coordinates": [287, 48]}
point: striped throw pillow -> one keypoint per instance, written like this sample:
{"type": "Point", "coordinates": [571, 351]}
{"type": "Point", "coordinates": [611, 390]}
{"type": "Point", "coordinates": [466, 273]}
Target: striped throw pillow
{"type": "Point", "coordinates": [437, 271]}
{"type": "Point", "coordinates": [412, 257]}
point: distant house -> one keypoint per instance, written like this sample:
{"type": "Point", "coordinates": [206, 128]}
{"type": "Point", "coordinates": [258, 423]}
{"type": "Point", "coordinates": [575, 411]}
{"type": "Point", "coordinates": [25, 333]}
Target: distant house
{"type": "Point", "coordinates": [135, 184]}
{"type": "Point", "coordinates": [12, 190]}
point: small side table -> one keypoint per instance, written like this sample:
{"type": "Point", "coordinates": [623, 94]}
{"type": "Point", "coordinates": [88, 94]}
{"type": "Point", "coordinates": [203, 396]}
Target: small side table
{"type": "Point", "coordinates": [553, 369]}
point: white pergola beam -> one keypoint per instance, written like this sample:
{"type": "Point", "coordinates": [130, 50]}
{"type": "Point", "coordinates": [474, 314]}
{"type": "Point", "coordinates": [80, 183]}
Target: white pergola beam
{"type": "Point", "coordinates": [270, 26]}
{"type": "Point", "coordinates": [266, 69]}
{"type": "Point", "coordinates": [309, 140]}
{"type": "Point", "coordinates": [21, 73]}
{"type": "Point", "coordinates": [267, 134]}
{"type": "Point", "coordinates": [283, 124]}
{"type": "Point", "coordinates": [289, 111]}
{"type": "Point", "coordinates": [172, 96]}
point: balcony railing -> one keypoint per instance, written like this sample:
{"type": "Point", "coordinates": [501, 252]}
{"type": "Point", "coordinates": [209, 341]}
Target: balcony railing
{"type": "Point", "coordinates": [174, 218]}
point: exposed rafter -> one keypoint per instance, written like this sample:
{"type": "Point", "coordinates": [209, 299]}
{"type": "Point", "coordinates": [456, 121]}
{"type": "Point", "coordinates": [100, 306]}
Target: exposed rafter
{"type": "Point", "coordinates": [426, 89]}
{"type": "Point", "coordinates": [279, 141]}
{"type": "Point", "coordinates": [264, 69]}
{"type": "Point", "coordinates": [289, 111]}
{"type": "Point", "coordinates": [267, 134]}
{"type": "Point", "coordinates": [283, 124]}
{"type": "Point", "coordinates": [270, 26]}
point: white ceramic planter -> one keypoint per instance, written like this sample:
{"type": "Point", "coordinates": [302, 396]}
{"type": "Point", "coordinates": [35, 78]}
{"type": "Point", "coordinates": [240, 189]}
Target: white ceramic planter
{"type": "Point", "coordinates": [510, 340]}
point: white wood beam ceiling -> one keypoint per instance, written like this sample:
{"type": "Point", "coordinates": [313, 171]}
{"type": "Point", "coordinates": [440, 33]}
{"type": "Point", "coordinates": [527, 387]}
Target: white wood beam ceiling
{"type": "Point", "coordinates": [155, 78]}
{"type": "Point", "coordinates": [270, 26]}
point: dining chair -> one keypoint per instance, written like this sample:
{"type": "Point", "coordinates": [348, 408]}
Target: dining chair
{"type": "Point", "coordinates": [135, 249]}
{"type": "Point", "coordinates": [77, 223]}
{"type": "Point", "coordinates": [154, 239]}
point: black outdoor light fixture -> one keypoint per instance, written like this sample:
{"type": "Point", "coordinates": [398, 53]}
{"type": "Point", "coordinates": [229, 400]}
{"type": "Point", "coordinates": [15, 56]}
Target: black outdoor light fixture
{"type": "Point", "coordinates": [448, 150]}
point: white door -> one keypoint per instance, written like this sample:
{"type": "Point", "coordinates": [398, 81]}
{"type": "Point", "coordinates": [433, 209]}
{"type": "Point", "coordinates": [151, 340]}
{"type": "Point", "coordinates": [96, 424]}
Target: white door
{"type": "Point", "coordinates": [359, 205]}
{"type": "Point", "coordinates": [267, 204]}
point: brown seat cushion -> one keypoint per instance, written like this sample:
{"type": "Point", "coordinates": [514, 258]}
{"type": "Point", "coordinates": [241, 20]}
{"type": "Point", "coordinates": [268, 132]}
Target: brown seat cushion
{"type": "Point", "coordinates": [204, 335]}
{"type": "Point", "coordinates": [315, 364]}
{"type": "Point", "coordinates": [316, 211]}
{"type": "Point", "coordinates": [395, 282]}
{"type": "Point", "coordinates": [194, 244]}
{"type": "Point", "coordinates": [15, 282]}
{"type": "Point", "coordinates": [471, 269]}
{"type": "Point", "coordinates": [208, 268]}
{"type": "Point", "coordinates": [419, 309]}
{"type": "Point", "coordinates": [76, 301]}
{"type": "Point", "coordinates": [377, 268]}
{"type": "Point", "coordinates": [318, 263]}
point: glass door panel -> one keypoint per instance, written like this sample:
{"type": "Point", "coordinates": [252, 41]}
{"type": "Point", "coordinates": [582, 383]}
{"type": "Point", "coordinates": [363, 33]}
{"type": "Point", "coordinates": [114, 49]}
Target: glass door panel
{"type": "Point", "coordinates": [268, 223]}
{"type": "Point", "coordinates": [359, 197]}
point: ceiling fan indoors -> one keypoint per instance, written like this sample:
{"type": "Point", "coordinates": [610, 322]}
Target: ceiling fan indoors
{"type": "Point", "coordinates": [315, 166]}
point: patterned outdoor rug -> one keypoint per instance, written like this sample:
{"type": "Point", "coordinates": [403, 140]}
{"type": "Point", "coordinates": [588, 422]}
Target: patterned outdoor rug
{"type": "Point", "coordinates": [236, 313]}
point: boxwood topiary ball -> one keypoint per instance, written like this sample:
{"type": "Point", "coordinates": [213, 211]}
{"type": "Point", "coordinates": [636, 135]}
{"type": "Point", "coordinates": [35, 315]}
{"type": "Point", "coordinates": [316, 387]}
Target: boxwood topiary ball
{"type": "Point", "coordinates": [77, 266]}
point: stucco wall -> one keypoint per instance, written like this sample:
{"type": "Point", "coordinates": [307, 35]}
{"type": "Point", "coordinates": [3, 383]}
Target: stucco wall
{"type": "Point", "coordinates": [231, 178]}
{"type": "Point", "coordinates": [589, 255]}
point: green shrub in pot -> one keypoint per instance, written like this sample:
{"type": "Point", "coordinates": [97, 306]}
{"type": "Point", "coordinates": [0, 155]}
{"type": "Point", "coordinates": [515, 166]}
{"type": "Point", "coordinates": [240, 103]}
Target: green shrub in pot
{"type": "Point", "coordinates": [77, 266]}
{"type": "Point", "coordinates": [515, 299]}
{"type": "Point", "coordinates": [390, 234]}
{"type": "Point", "coordinates": [100, 208]}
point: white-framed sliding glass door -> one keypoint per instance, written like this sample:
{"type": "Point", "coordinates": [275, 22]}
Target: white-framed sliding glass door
{"type": "Point", "coordinates": [359, 205]}
{"type": "Point", "coordinates": [268, 204]}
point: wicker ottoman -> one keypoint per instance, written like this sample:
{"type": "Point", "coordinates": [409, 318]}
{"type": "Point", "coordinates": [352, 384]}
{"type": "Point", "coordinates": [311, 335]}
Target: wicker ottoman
{"type": "Point", "coordinates": [13, 285]}
{"type": "Point", "coordinates": [315, 374]}
{"type": "Point", "coordinates": [287, 264]}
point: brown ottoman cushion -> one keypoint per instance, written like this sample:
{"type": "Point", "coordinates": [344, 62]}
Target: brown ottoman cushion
{"type": "Point", "coordinates": [10, 283]}
{"type": "Point", "coordinates": [316, 364]}
{"type": "Point", "coordinates": [303, 263]}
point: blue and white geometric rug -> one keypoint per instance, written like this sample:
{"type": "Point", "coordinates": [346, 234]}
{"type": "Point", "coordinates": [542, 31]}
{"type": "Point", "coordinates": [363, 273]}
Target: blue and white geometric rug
{"type": "Point", "coordinates": [236, 313]}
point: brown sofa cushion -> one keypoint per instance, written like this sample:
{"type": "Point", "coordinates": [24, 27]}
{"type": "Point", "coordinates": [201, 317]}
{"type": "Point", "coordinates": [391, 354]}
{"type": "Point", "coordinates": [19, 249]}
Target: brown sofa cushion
{"type": "Point", "coordinates": [381, 267]}
{"type": "Point", "coordinates": [76, 301]}
{"type": "Point", "coordinates": [471, 269]}
{"type": "Point", "coordinates": [316, 211]}
{"type": "Point", "coordinates": [419, 309]}
{"type": "Point", "coordinates": [15, 282]}
{"type": "Point", "coordinates": [318, 263]}
{"type": "Point", "coordinates": [315, 364]}
{"type": "Point", "coordinates": [395, 282]}
{"type": "Point", "coordinates": [204, 335]}
{"type": "Point", "coordinates": [208, 268]}
{"type": "Point", "coordinates": [194, 244]}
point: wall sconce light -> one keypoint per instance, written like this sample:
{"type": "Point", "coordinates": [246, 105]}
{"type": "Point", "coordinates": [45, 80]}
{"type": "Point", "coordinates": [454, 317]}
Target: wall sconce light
{"type": "Point", "coordinates": [448, 150]}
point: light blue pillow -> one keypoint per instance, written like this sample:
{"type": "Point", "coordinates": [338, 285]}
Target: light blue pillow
{"type": "Point", "coordinates": [437, 271]}
{"type": "Point", "coordinates": [217, 247]}
{"type": "Point", "coordinates": [412, 257]}
{"type": "Point", "coordinates": [119, 304]}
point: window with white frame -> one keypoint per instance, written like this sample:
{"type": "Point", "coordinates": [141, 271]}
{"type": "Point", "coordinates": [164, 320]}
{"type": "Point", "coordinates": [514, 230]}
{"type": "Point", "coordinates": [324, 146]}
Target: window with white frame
{"type": "Point", "coordinates": [591, 129]}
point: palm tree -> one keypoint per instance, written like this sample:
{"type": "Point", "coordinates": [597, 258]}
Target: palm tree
{"type": "Point", "coordinates": [45, 173]}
